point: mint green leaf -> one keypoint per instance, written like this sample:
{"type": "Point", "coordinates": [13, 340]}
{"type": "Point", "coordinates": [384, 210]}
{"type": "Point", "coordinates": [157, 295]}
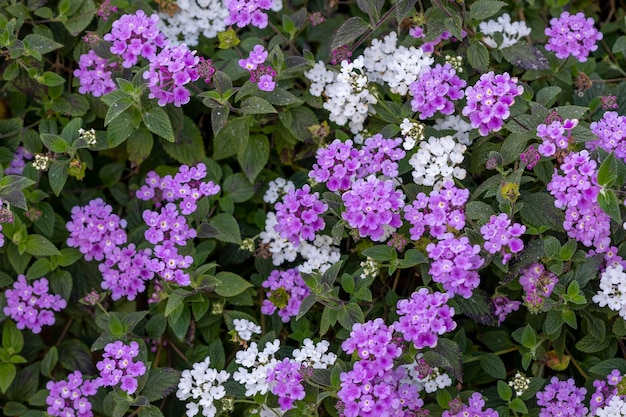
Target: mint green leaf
{"type": "Point", "coordinates": [255, 155]}
{"type": "Point", "coordinates": [7, 375]}
{"type": "Point", "coordinates": [493, 365]}
{"type": "Point", "coordinates": [231, 139]}
{"type": "Point", "coordinates": [139, 146]}
{"type": "Point", "coordinates": [50, 79]}
{"type": "Point", "coordinates": [116, 108]}
{"type": "Point", "coordinates": [57, 175]}
{"type": "Point", "coordinates": [478, 56]}
{"type": "Point", "coordinates": [12, 338]}
{"type": "Point", "coordinates": [230, 284]}
{"type": "Point", "coordinates": [158, 122]}
{"type": "Point", "coordinates": [40, 246]}
{"type": "Point", "coordinates": [55, 143]}
{"type": "Point", "coordinates": [160, 383]}
{"type": "Point", "coordinates": [609, 204]}
{"type": "Point", "coordinates": [49, 362]}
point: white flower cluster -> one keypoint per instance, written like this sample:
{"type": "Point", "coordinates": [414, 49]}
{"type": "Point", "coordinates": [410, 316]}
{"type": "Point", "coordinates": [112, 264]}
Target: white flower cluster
{"type": "Point", "coordinates": [318, 255]}
{"type": "Point", "coordinates": [314, 355]}
{"type": "Point", "coordinates": [456, 62]}
{"type": "Point", "coordinates": [89, 136]}
{"type": "Point", "coordinates": [265, 411]}
{"type": "Point", "coordinates": [347, 95]}
{"type": "Point", "coordinates": [511, 32]}
{"type": "Point", "coordinates": [461, 128]}
{"type": "Point", "coordinates": [193, 18]}
{"type": "Point", "coordinates": [436, 161]}
{"type": "Point", "coordinates": [612, 292]}
{"type": "Point", "coordinates": [520, 383]}
{"type": "Point", "coordinates": [615, 408]}
{"type": "Point", "coordinates": [255, 365]}
{"type": "Point", "coordinates": [396, 66]}
{"type": "Point", "coordinates": [432, 382]}
{"type": "Point", "coordinates": [41, 162]}
{"type": "Point", "coordinates": [245, 328]}
{"type": "Point", "coordinates": [371, 268]}
{"type": "Point", "coordinates": [413, 133]}
{"type": "Point", "coordinates": [202, 383]}
{"type": "Point", "coordinates": [281, 249]}
{"type": "Point", "coordinates": [276, 189]}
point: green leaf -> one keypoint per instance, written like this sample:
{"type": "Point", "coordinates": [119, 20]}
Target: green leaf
{"type": "Point", "coordinates": [180, 324]}
{"type": "Point", "coordinates": [158, 122]}
{"type": "Point", "coordinates": [115, 324]}
{"type": "Point", "coordinates": [609, 204]}
{"type": "Point", "coordinates": [7, 375]}
{"type": "Point", "coordinates": [569, 317]}
{"type": "Point", "coordinates": [156, 326]}
{"type": "Point", "coordinates": [552, 247]}
{"type": "Point", "coordinates": [477, 210]}
{"type": "Point", "coordinates": [349, 315]}
{"type": "Point", "coordinates": [403, 8]}
{"type": "Point", "coordinates": [572, 112]}
{"type": "Point", "coordinates": [493, 365]}
{"type": "Point", "coordinates": [254, 157]}
{"type": "Point", "coordinates": [217, 354]}
{"type": "Point", "coordinates": [412, 257]}
{"type": "Point", "coordinates": [478, 57]}
{"type": "Point", "coordinates": [238, 188]}
{"type": "Point", "coordinates": [41, 44]}
{"type": "Point", "coordinates": [525, 56]}
{"type": "Point", "coordinates": [12, 338]}
{"type": "Point", "coordinates": [116, 108]}
{"type": "Point", "coordinates": [607, 173]}
{"type": "Point", "coordinates": [49, 362]}
{"type": "Point", "coordinates": [232, 139]}
{"type": "Point", "coordinates": [380, 253]}
{"type": "Point", "coordinates": [78, 21]}
{"type": "Point", "coordinates": [189, 146]}
{"type": "Point", "coordinates": [280, 97]}
{"type": "Point", "coordinates": [605, 367]}
{"type": "Point", "coordinates": [518, 406]}
{"type": "Point", "coordinates": [50, 79]}
{"type": "Point", "coordinates": [38, 269]}
{"type": "Point", "coordinates": [57, 175]}
{"type": "Point", "coordinates": [139, 146]}
{"type": "Point", "coordinates": [483, 9]}
{"type": "Point", "coordinates": [553, 323]}
{"type": "Point", "coordinates": [68, 256]}
{"type": "Point", "coordinates": [40, 246]}
{"type": "Point", "coordinates": [590, 344]}
{"type": "Point", "coordinates": [161, 382]}
{"type": "Point", "coordinates": [504, 391]}
{"type": "Point", "coordinates": [117, 132]}
{"type": "Point", "coordinates": [529, 337]}
{"type": "Point", "coordinates": [257, 105]}
{"type": "Point", "coordinates": [55, 143]}
{"type": "Point", "coordinates": [619, 45]}
{"type": "Point", "coordinates": [547, 95]}
{"type": "Point", "coordinates": [174, 300]}
{"type": "Point", "coordinates": [13, 408]}
{"type": "Point", "coordinates": [230, 284]}
{"type": "Point", "coordinates": [349, 31]}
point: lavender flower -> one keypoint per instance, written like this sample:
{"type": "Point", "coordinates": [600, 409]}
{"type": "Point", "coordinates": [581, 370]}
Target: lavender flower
{"type": "Point", "coordinates": [17, 164]}
{"type": "Point", "coordinates": [117, 366]}
{"type": "Point", "coordinates": [125, 272]}
{"type": "Point", "coordinates": [31, 306]}
{"type": "Point", "coordinates": [502, 236]}
{"type": "Point", "coordinates": [423, 317]}
{"type": "Point", "coordinates": [554, 135]}
{"type": "Point", "coordinates": [488, 101]}
{"type": "Point", "coordinates": [169, 72]}
{"type": "Point", "coordinates": [503, 307]}
{"type": "Point", "coordinates": [286, 292]}
{"type": "Point", "coordinates": [298, 215]}
{"type": "Point", "coordinates": [474, 408]}
{"type": "Point", "coordinates": [562, 399]}
{"type": "Point", "coordinates": [537, 284]}
{"type": "Point", "coordinates": [572, 35]}
{"type": "Point", "coordinates": [286, 382]}
{"type": "Point", "coordinates": [611, 132]}
{"type": "Point", "coordinates": [435, 90]}
{"type": "Point", "coordinates": [68, 397]}
{"type": "Point", "coordinates": [95, 74]}
{"type": "Point", "coordinates": [248, 12]}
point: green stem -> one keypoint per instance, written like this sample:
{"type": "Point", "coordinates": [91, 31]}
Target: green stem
{"type": "Point", "coordinates": [500, 352]}
{"type": "Point", "coordinates": [371, 30]}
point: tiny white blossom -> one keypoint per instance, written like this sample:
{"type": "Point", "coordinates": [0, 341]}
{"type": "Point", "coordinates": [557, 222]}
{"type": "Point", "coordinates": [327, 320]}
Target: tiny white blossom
{"type": "Point", "coordinates": [203, 384]}
{"type": "Point", "coordinates": [245, 328]}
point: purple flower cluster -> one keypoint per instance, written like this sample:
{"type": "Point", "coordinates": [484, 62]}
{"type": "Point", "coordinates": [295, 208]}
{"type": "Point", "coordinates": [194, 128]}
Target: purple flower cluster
{"type": "Point", "coordinates": [572, 35]}
{"type": "Point", "coordinates": [340, 163]}
{"type": "Point", "coordinates": [125, 271]}
{"type": "Point", "coordinates": [31, 306]}
{"type": "Point", "coordinates": [611, 133]}
{"type": "Point", "coordinates": [455, 263]}
{"type": "Point", "coordinates": [605, 390]}
{"type": "Point", "coordinates": [562, 398]}
{"type": "Point", "coordinates": [488, 101]}
{"type": "Point", "coordinates": [435, 90]}
{"type": "Point", "coordinates": [577, 191]}
{"type": "Point", "coordinates": [556, 135]}
{"type": "Point", "coordinates": [373, 207]}
{"type": "Point", "coordinates": [429, 47]}
{"type": "Point", "coordinates": [105, 10]}
{"type": "Point", "coordinates": [423, 317]}
{"type": "Point", "coordinates": [169, 72]}
{"type": "Point", "coordinates": [17, 164]}
{"type": "Point", "coordinates": [473, 408]}
{"type": "Point", "coordinates": [185, 187]}
{"type": "Point", "coordinates": [286, 382]}
{"type": "Point", "coordinates": [68, 398]}
{"type": "Point", "coordinates": [117, 366]}
{"type": "Point", "coordinates": [530, 157]}
{"type": "Point", "coordinates": [95, 74]}
{"type": "Point", "coordinates": [503, 307]}
{"type": "Point", "coordinates": [537, 284]}
{"type": "Point", "coordinates": [94, 230]}
{"type": "Point", "coordinates": [248, 12]}
{"type": "Point", "coordinates": [439, 212]}
{"type": "Point", "coordinates": [502, 236]}
{"type": "Point", "coordinates": [261, 74]}
{"type": "Point", "coordinates": [298, 215]}
{"type": "Point", "coordinates": [286, 292]}
{"type": "Point", "coordinates": [373, 387]}
{"type": "Point", "coordinates": [134, 36]}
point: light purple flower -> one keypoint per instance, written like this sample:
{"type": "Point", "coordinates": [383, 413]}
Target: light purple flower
{"type": "Point", "coordinates": [572, 35]}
